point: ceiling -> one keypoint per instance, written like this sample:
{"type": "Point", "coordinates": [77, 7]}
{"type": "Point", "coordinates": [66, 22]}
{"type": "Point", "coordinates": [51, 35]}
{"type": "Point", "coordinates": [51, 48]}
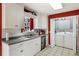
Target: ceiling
{"type": "Point", "coordinates": [45, 8]}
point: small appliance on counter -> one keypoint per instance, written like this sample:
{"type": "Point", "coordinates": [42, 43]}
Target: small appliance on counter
{"type": "Point", "coordinates": [40, 31]}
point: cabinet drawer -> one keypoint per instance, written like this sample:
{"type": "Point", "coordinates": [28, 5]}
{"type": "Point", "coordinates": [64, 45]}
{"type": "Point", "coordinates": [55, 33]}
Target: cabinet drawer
{"type": "Point", "coordinates": [16, 49]}
{"type": "Point", "coordinates": [15, 46]}
{"type": "Point", "coordinates": [17, 52]}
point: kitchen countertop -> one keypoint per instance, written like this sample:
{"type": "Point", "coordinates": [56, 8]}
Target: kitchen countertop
{"type": "Point", "coordinates": [18, 39]}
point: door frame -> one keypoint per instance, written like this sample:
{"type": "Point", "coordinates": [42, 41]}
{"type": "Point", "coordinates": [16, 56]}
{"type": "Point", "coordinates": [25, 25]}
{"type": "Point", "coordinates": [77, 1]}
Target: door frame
{"type": "Point", "coordinates": [52, 25]}
{"type": "Point", "coordinates": [0, 29]}
{"type": "Point", "coordinates": [59, 15]}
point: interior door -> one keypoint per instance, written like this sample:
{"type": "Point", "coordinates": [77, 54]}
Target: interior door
{"type": "Point", "coordinates": [59, 31]}
{"type": "Point", "coordinates": [64, 30]}
{"type": "Point", "coordinates": [67, 27]}
{"type": "Point", "coordinates": [70, 35]}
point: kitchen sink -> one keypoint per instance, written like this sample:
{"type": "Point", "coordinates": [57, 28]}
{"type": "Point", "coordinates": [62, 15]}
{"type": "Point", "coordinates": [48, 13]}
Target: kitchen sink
{"type": "Point", "coordinates": [30, 36]}
{"type": "Point", "coordinates": [24, 37]}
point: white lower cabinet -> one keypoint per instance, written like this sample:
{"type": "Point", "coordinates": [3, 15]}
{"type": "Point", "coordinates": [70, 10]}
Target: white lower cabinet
{"type": "Point", "coordinates": [27, 48]}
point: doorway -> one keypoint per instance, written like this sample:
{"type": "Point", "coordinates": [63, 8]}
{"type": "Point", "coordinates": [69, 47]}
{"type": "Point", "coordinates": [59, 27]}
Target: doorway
{"type": "Point", "coordinates": [63, 32]}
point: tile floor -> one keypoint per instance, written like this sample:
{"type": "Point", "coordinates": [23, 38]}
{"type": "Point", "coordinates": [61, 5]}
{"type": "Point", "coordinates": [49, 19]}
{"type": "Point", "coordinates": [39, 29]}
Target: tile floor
{"type": "Point", "coordinates": [56, 51]}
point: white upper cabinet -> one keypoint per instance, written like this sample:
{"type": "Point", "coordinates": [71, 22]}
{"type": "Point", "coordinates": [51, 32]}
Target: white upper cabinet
{"type": "Point", "coordinates": [13, 15]}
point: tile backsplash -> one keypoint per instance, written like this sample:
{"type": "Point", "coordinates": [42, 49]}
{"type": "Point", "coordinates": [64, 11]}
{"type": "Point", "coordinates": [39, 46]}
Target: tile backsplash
{"type": "Point", "coordinates": [11, 32]}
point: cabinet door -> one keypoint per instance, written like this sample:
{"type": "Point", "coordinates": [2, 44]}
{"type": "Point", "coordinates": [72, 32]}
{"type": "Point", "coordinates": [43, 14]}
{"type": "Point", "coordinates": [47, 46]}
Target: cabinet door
{"type": "Point", "coordinates": [22, 49]}
{"type": "Point", "coordinates": [37, 45]}
{"type": "Point", "coordinates": [17, 52]}
{"type": "Point", "coordinates": [14, 15]}
{"type": "Point", "coordinates": [33, 47]}
{"type": "Point", "coordinates": [16, 49]}
{"type": "Point", "coordinates": [29, 48]}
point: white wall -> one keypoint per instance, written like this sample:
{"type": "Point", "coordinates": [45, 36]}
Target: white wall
{"type": "Point", "coordinates": [3, 17]}
{"type": "Point", "coordinates": [42, 21]}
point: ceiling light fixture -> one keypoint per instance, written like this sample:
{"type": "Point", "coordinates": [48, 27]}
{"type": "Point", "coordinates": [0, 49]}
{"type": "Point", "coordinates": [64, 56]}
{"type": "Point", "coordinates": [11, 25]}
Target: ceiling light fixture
{"type": "Point", "coordinates": [56, 6]}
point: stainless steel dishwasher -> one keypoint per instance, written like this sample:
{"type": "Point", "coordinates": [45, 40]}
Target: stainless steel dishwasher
{"type": "Point", "coordinates": [43, 42]}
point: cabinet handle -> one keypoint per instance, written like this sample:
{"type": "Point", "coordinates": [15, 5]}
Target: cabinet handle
{"type": "Point", "coordinates": [21, 51]}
